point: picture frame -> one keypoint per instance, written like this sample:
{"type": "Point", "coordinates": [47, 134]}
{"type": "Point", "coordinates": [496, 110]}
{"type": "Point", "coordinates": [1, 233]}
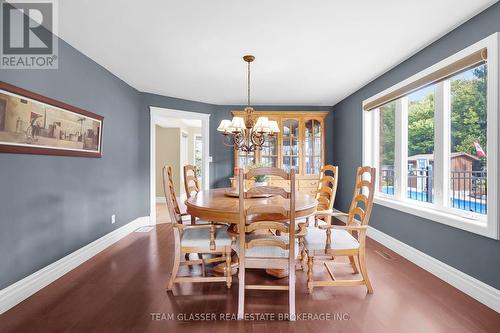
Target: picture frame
{"type": "Point", "coordinates": [34, 124]}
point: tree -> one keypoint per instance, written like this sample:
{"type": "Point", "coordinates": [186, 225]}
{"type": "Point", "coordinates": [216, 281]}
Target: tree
{"type": "Point", "coordinates": [421, 126]}
{"type": "Point", "coordinates": [387, 133]}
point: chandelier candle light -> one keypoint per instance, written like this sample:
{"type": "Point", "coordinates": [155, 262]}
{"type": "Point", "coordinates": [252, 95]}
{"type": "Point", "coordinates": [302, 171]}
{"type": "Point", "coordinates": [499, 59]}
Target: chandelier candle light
{"type": "Point", "coordinates": [244, 133]}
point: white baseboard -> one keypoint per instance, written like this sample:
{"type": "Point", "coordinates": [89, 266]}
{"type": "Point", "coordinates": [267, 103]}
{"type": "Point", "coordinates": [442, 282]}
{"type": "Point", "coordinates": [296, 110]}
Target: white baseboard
{"type": "Point", "coordinates": [476, 289]}
{"type": "Point", "coordinates": [22, 289]}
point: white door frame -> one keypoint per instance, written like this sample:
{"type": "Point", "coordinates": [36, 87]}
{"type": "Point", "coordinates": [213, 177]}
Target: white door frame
{"type": "Point", "coordinates": [156, 115]}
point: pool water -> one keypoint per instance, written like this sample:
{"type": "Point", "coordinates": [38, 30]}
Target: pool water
{"type": "Point", "coordinates": [467, 205]}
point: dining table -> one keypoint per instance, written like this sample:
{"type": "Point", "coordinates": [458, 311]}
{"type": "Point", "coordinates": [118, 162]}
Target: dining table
{"type": "Point", "coordinates": [217, 205]}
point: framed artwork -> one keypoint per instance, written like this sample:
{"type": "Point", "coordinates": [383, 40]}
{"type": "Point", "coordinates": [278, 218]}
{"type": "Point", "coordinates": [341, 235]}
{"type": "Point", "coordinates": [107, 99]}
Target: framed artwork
{"type": "Point", "coordinates": [34, 124]}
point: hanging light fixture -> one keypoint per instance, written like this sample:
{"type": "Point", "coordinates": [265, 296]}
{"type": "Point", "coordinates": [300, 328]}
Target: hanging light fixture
{"type": "Point", "coordinates": [246, 134]}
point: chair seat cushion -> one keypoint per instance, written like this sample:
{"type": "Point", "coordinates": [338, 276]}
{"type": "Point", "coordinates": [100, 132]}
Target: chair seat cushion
{"type": "Point", "coordinates": [200, 237]}
{"type": "Point", "coordinates": [266, 251]}
{"type": "Point", "coordinates": [340, 239]}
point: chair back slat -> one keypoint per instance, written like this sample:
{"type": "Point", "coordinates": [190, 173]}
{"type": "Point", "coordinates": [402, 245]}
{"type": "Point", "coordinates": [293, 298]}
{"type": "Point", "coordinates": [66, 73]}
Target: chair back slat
{"type": "Point", "coordinates": [267, 209]}
{"type": "Point", "coordinates": [266, 225]}
{"type": "Point", "coordinates": [271, 190]}
{"type": "Point", "coordinates": [267, 172]}
{"type": "Point", "coordinates": [191, 181]}
{"type": "Point", "coordinates": [171, 199]}
{"type": "Point", "coordinates": [323, 202]}
{"type": "Point", "coordinates": [362, 200]}
{"type": "Point", "coordinates": [267, 242]}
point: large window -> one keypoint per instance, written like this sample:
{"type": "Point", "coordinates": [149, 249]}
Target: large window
{"type": "Point", "coordinates": [434, 140]}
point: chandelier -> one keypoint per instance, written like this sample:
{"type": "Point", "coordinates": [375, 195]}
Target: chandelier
{"type": "Point", "coordinates": [244, 133]}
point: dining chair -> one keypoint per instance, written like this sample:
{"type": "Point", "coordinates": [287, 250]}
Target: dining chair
{"type": "Point", "coordinates": [264, 250]}
{"type": "Point", "coordinates": [348, 240]}
{"type": "Point", "coordinates": [325, 195]}
{"type": "Point", "coordinates": [191, 183]}
{"type": "Point", "coordinates": [208, 238]}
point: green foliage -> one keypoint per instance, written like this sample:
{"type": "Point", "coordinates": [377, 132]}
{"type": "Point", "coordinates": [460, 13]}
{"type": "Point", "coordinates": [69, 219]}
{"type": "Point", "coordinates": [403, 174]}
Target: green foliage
{"type": "Point", "coordinates": [468, 118]}
{"type": "Point", "coordinates": [421, 126]}
{"type": "Point", "coordinates": [388, 133]}
{"type": "Point", "coordinates": [262, 178]}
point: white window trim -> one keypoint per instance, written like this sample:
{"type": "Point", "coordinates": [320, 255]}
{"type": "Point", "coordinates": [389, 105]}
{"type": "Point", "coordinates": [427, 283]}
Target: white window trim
{"type": "Point", "coordinates": [438, 211]}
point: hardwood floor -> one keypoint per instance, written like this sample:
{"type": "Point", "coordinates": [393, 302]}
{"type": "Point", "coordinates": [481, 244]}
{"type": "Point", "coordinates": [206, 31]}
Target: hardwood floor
{"type": "Point", "coordinates": [117, 290]}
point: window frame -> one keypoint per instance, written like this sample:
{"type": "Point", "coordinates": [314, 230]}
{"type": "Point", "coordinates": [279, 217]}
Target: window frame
{"type": "Point", "coordinates": [439, 211]}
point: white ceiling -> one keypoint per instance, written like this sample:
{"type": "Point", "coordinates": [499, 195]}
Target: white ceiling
{"type": "Point", "coordinates": [307, 52]}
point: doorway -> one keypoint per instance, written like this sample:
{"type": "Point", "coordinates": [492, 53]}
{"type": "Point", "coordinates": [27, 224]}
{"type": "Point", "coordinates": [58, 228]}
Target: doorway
{"type": "Point", "coordinates": [177, 138]}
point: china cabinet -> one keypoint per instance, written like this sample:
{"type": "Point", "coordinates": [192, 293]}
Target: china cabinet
{"type": "Point", "coordinates": [300, 145]}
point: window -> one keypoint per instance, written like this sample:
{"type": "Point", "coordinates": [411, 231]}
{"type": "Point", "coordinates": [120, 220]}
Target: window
{"type": "Point", "coordinates": [198, 156]}
{"type": "Point", "coordinates": [434, 139]}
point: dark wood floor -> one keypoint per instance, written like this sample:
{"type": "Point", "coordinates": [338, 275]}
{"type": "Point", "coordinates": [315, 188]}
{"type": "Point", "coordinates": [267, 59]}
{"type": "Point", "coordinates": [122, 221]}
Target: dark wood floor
{"type": "Point", "coordinates": [118, 289]}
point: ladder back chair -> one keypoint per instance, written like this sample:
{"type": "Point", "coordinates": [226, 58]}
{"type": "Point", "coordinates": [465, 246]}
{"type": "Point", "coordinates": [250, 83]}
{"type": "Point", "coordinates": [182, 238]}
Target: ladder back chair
{"type": "Point", "coordinates": [348, 240]}
{"type": "Point", "coordinates": [191, 183]}
{"type": "Point", "coordinates": [325, 195]}
{"type": "Point", "coordinates": [267, 251]}
{"type": "Point", "coordinates": [203, 238]}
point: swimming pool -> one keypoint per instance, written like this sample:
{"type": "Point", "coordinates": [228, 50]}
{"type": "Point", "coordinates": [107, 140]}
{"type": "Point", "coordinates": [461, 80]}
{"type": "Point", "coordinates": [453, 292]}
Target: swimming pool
{"type": "Point", "coordinates": [470, 205]}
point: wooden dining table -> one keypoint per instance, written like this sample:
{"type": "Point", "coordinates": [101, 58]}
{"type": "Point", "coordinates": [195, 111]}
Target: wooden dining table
{"type": "Point", "coordinates": [215, 206]}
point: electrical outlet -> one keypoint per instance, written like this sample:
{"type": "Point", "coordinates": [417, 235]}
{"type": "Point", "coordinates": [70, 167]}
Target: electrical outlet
{"type": "Point", "coordinates": [113, 219]}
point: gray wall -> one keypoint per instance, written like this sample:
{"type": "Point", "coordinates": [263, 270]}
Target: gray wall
{"type": "Point", "coordinates": [52, 205]}
{"type": "Point", "coordinates": [468, 252]}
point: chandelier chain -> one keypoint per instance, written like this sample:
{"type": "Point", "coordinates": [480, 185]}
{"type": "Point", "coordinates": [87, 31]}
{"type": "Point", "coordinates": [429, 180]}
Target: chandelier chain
{"type": "Point", "coordinates": [248, 83]}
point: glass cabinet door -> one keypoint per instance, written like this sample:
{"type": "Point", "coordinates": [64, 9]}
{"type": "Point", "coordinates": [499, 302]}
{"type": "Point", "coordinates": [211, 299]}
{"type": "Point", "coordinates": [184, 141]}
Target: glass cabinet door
{"type": "Point", "coordinates": [245, 159]}
{"type": "Point", "coordinates": [290, 144]}
{"type": "Point", "coordinates": [312, 146]}
{"type": "Point", "coordinates": [269, 152]}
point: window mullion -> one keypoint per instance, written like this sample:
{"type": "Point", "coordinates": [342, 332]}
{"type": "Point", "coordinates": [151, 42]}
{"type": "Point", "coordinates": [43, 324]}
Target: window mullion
{"type": "Point", "coordinates": [442, 128]}
{"type": "Point", "coordinates": [401, 149]}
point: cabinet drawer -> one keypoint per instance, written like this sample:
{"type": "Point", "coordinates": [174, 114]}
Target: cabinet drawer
{"type": "Point", "coordinates": [282, 183]}
{"type": "Point", "coordinates": [309, 190]}
{"type": "Point", "coordinates": [308, 183]}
